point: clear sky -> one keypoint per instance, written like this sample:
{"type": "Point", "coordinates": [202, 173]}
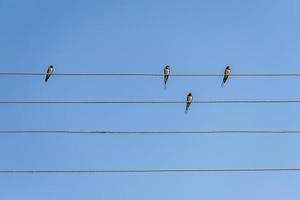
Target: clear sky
{"type": "Point", "coordinates": [257, 36]}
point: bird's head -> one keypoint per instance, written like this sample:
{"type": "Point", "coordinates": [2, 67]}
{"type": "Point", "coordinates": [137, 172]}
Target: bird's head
{"type": "Point", "coordinates": [167, 67]}
{"type": "Point", "coordinates": [190, 94]}
{"type": "Point", "coordinates": [228, 67]}
{"type": "Point", "coordinates": [51, 66]}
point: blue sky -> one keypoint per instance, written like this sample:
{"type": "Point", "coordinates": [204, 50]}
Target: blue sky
{"type": "Point", "coordinates": [203, 36]}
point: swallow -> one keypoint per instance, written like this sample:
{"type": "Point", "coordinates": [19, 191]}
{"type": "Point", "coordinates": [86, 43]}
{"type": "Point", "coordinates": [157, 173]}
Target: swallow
{"type": "Point", "coordinates": [166, 74]}
{"type": "Point", "coordinates": [226, 75]}
{"type": "Point", "coordinates": [189, 100]}
{"type": "Point", "coordinates": [49, 72]}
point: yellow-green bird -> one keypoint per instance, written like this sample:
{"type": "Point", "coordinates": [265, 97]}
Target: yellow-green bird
{"type": "Point", "coordinates": [166, 74]}
{"type": "Point", "coordinates": [226, 75]}
{"type": "Point", "coordinates": [189, 100]}
{"type": "Point", "coordinates": [49, 72]}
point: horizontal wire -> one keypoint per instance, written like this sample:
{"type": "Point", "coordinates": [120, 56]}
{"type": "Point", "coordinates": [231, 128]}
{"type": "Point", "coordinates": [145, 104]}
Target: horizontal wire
{"type": "Point", "coordinates": [74, 132]}
{"type": "Point", "coordinates": [155, 102]}
{"type": "Point", "coordinates": [150, 171]}
{"type": "Point", "coordinates": [147, 74]}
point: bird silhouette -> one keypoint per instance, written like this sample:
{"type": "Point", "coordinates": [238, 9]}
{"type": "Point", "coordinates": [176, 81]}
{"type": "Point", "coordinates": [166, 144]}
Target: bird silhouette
{"type": "Point", "coordinates": [49, 72]}
{"type": "Point", "coordinates": [189, 100]}
{"type": "Point", "coordinates": [166, 75]}
{"type": "Point", "coordinates": [226, 75]}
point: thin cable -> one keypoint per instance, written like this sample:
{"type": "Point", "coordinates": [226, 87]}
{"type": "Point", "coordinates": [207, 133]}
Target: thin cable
{"type": "Point", "coordinates": [148, 74]}
{"type": "Point", "coordinates": [156, 102]}
{"type": "Point", "coordinates": [150, 171]}
{"type": "Point", "coordinates": [77, 74]}
{"type": "Point", "coordinates": [79, 132]}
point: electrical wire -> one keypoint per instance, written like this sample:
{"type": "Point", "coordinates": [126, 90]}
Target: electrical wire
{"type": "Point", "coordinates": [156, 102]}
{"type": "Point", "coordinates": [150, 74]}
{"type": "Point", "coordinates": [80, 132]}
{"type": "Point", "coordinates": [150, 170]}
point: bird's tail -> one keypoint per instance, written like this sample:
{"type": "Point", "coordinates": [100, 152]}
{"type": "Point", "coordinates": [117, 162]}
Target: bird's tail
{"type": "Point", "coordinates": [222, 85]}
{"type": "Point", "coordinates": [187, 108]}
{"type": "Point", "coordinates": [47, 77]}
{"type": "Point", "coordinates": [224, 81]}
{"type": "Point", "coordinates": [165, 81]}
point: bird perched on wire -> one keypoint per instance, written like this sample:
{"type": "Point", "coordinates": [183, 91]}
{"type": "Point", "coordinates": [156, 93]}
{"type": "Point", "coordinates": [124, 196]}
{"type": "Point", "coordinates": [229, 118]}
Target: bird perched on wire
{"type": "Point", "coordinates": [166, 74]}
{"type": "Point", "coordinates": [226, 75]}
{"type": "Point", "coordinates": [49, 72]}
{"type": "Point", "coordinates": [189, 100]}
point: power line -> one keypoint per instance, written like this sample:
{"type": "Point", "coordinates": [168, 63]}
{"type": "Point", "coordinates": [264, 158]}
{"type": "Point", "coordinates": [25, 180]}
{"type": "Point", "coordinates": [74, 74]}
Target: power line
{"type": "Point", "coordinates": [156, 102]}
{"type": "Point", "coordinates": [150, 171]}
{"type": "Point", "coordinates": [78, 132]}
{"type": "Point", "coordinates": [77, 74]}
{"type": "Point", "coordinates": [150, 74]}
